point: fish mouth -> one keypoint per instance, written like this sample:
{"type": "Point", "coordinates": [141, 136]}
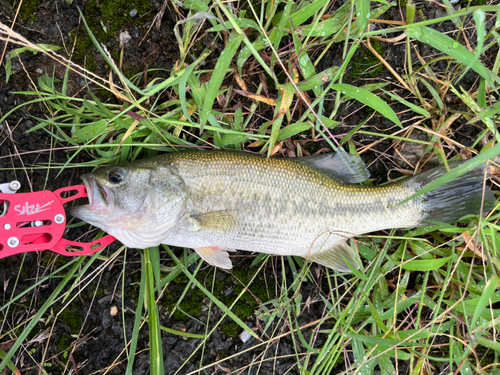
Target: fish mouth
{"type": "Point", "coordinates": [98, 208]}
{"type": "Point", "coordinates": [98, 194]}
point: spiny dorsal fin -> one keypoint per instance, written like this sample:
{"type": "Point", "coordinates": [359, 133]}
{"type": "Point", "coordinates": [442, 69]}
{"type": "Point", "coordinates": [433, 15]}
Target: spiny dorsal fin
{"type": "Point", "coordinates": [341, 166]}
{"type": "Point", "coordinates": [332, 258]}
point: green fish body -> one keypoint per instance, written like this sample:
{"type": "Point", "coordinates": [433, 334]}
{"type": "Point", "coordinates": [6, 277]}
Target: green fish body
{"type": "Point", "coordinates": [218, 201]}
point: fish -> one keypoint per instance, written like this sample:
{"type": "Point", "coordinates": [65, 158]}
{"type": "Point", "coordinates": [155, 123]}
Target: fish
{"type": "Point", "coordinates": [216, 202]}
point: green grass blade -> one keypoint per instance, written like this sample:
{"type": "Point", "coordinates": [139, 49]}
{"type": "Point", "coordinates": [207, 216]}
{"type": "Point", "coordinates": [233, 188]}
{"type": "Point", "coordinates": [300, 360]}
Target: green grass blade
{"type": "Point", "coordinates": [314, 81]}
{"type": "Point", "coordinates": [484, 299]}
{"type": "Point", "coordinates": [155, 345]}
{"type": "Point", "coordinates": [293, 129]}
{"type": "Point", "coordinates": [108, 60]}
{"type": "Point", "coordinates": [452, 48]}
{"type": "Point", "coordinates": [322, 29]}
{"type": "Point", "coordinates": [389, 342]}
{"type": "Point", "coordinates": [481, 93]}
{"type": "Point", "coordinates": [425, 265]}
{"type": "Point", "coordinates": [362, 14]}
{"type": "Point", "coordinates": [376, 316]}
{"type": "Point", "coordinates": [218, 75]}
{"type": "Point", "coordinates": [282, 108]}
{"type": "Point", "coordinates": [415, 108]}
{"type": "Point", "coordinates": [246, 51]}
{"type": "Point", "coordinates": [245, 39]}
{"type": "Point", "coordinates": [182, 334]}
{"type": "Point", "coordinates": [495, 345]}
{"type": "Point", "coordinates": [359, 353]}
{"type": "Point", "coordinates": [358, 273]}
{"type": "Point", "coordinates": [10, 364]}
{"type": "Point", "coordinates": [305, 63]}
{"type": "Point", "coordinates": [303, 340]}
{"type": "Point", "coordinates": [434, 93]}
{"type": "Point", "coordinates": [241, 22]}
{"type": "Point", "coordinates": [302, 15]}
{"type": "Point", "coordinates": [137, 321]}
{"type": "Point", "coordinates": [369, 99]}
{"type": "Point", "coordinates": [183, 81]}
{"type": "Point", "coordinates": [280, 28]}
{"type": "Point", "coordinates": [154, 253]}
{"type": "Point", "coordinates": [36, 318]}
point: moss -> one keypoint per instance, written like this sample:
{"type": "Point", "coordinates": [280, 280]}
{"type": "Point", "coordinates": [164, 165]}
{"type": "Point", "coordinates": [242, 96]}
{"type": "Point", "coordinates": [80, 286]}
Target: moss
{"type": "Point", "coordinates": [367, 65]}
{"type": "Point", "coordinates": [28, 10]}
{"type": "Point", "coordinates": [95, 291]}
{"type": "Point", "coordinates": [475, 3]}
{"type": "Point", "coordinates": [106, 18]}
{"type": "Point", "coordinates": [421, 15]}
{"type": "Point", "coordinates": [48, 260]}
{"type": "Point", "coordinates": [194, 298]}
{"type": "Point", "coordinates": [131, 70]}
{"type": "Point", "coordinates": [104, 94]}
{"type": "Point", "coordinates": [63, 344]}
{"type": "Point", "coordinates": [487, 355]}
{"type": "Point", "coordinates": [72, 319]}
{"type": "Point", "coordinates": [190, 304]}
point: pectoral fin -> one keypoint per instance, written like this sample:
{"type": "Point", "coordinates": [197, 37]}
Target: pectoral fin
{"type": "Point", "coordinates": [216, 256]}
{"type": "Point", "coordinates": [332, 258]}
{"type": "Point", "coordinates": [217, 220]}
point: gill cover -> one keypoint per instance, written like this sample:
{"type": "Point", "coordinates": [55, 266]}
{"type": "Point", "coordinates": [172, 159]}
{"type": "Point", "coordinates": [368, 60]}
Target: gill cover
{"type": "Point", "coordinates": [137, 203]}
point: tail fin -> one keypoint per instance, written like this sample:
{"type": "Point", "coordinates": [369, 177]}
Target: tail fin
{"type": "Point", "coordinates": [455, 199]}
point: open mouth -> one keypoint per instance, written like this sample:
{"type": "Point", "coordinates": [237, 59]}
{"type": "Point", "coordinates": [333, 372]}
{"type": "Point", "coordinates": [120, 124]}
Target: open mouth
{"type": "Point", "coordinates": [102, 193]}
{"type": "Point", "coordinates": [96, 192]}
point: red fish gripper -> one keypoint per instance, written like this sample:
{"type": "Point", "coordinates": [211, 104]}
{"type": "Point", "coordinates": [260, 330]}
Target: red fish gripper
{"type": "Point", "coordinates": [37, 221]}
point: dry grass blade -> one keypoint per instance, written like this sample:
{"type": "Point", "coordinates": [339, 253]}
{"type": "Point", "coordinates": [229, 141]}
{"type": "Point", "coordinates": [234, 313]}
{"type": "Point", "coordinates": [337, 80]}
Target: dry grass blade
{"type": "Point", "coordinates": [8, 35]}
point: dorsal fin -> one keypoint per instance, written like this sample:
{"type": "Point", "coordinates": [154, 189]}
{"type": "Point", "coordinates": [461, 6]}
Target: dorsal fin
{"type": "Point", "coordinates": [341, 166]}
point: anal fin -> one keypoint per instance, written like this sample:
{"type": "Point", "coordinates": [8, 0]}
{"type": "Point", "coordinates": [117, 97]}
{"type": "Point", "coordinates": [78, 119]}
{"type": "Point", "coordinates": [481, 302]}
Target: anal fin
{"type": "Point", "coordinates": [332, 258]}
{"type": "Point", "coordinates": [216, 256]}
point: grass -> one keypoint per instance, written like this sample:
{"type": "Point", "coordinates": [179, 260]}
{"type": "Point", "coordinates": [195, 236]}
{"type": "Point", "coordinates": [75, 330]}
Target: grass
{"type": "Point", "coordinates": [426, 298]}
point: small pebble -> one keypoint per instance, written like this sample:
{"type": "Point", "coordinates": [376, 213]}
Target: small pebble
{"type": "Point", "coordinates": [245, 336]}
{"type": "Point", "coordinates": [124, 38]}
{"type": "Point", "coordinates": [133, 13]}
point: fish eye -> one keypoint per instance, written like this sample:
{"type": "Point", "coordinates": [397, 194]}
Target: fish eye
{"type": "Point", "coordinates": [115, 175]}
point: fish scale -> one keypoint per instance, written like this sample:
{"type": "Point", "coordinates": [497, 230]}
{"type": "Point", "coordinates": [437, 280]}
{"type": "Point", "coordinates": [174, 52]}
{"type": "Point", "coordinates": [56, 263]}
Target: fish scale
{"type": "Point", "coordinates": [217, 201]}
{"type": "Point", "coordinates": [262, 195]}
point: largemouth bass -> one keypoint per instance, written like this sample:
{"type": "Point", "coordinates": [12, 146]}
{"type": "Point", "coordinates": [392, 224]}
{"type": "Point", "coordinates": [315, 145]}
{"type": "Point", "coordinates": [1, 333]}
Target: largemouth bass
{"type": "Point", "coordinates": [218, 201]}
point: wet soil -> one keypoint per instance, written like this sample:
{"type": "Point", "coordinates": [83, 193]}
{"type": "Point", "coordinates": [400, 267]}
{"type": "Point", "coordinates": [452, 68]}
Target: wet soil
{"type": "Point", "coordinates": [90, 336]}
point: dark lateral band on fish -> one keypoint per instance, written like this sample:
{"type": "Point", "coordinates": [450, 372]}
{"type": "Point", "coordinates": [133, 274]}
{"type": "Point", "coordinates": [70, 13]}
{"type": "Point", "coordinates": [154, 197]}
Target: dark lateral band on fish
{"type": "Point", "coordinates": [218, 201]}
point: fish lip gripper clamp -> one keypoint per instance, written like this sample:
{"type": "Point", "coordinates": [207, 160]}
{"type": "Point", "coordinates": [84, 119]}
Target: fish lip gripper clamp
{"type": "Point", "coordinates": [37, 221]}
